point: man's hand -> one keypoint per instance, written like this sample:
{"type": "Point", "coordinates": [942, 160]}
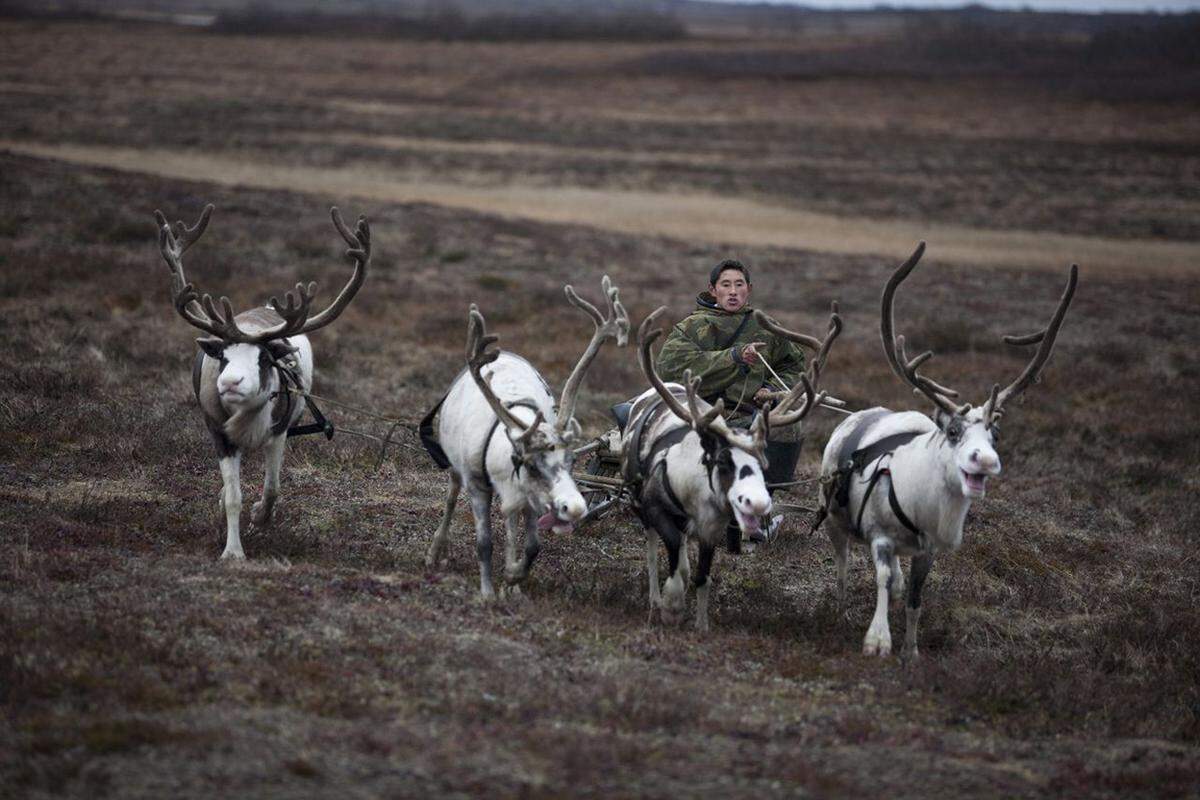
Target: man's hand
{"type": "Point", "coordinates": [765, 395]}
{"type": "Point", "coordinates": [749, 352]}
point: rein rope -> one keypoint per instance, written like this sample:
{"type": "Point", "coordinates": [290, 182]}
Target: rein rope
{"type": "Point", "coordinates": [408, 425]}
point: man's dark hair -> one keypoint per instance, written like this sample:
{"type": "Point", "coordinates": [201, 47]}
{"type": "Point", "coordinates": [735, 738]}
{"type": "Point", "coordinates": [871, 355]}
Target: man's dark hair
{"type": "Point", "coordinates": [728, 263]}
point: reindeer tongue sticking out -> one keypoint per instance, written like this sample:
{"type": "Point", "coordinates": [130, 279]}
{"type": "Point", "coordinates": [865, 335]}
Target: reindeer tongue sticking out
{"type": "Point", "coordinates": [549, 521]}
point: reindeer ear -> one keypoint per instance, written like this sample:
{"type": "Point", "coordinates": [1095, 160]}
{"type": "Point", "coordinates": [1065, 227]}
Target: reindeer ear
{"type": "Point", "coordinates": [212, 346]}
{"type": "Point", "coordinates": [571, 431]}
{"type": "Point", "coordinates": [950, 424]}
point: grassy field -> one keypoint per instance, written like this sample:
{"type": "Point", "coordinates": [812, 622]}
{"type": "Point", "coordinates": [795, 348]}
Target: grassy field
{"type": "Point", "coordinates": [1059, 645]}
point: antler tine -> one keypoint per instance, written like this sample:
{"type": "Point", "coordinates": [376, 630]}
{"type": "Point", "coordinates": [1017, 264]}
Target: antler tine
{"type": "Point", "coordinates": [700, 419]}
{"type": "Point", "coordinates": [197, 311]}
{"type": "Point", "coordinates": [478, 356]}
{"type": "Point", "coordinates": [646, 338]}
{"type": "Point", "coordinates": [893, 346]}
{"type": "Point", "coordinates": [992, 412]}
{"type": "Point", "coordinates": [1045, 340]}
{"type": "Point", "coordinates": [526, 438]}
{"type": "Point", "coordinates": [811, 342]}
{"type": "Point", "coordinates": [615, 326]}
{"type": "Point", "coordinates": [295, 312]}
{"type": "Point", "coordinates": [359, 240]}
{"type": "Point", "coordinates": [835, 330]}
{"type": "Point", "coordinates": [784, 415]}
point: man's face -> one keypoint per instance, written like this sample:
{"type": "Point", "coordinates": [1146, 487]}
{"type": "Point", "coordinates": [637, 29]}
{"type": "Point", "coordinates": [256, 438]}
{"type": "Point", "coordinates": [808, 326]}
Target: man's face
{"type": "Point", "coordinates": [731, 290]}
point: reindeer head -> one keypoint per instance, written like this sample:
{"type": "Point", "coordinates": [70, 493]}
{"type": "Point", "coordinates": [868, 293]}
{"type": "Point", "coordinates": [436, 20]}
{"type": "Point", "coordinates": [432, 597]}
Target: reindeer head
{"type": "Point", "coordinates": [969, 433]}
{"type": "Point", "coordinates": [543, 453]}
{"type": "Point", "coordinates": [245, 356]}
{"type": "Point", "coordinates": [734, 459]}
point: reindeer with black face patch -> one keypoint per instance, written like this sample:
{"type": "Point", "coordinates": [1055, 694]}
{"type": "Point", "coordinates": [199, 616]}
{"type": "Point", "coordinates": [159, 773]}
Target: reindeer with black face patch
{"type": "Point", "coordinates": [246, 366]}
{"type": "Point", "coordinates": [900, 483]}
{"type": "Point", "coordinates": [692, 472]}
{"type": "Point", "coordinates": [503, 436]}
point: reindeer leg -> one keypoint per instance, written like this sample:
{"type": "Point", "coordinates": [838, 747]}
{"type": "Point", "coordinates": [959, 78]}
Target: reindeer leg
{"type": "Point", "coordinates": [703, 567]}
{"type": "Point", "coordinates": [674, 593]}
{"type": "Point", "coordinates": [841, 550]}
{"type": "Point", "coordinates": [481, 505]}
{"type": "Point", "coordinates": [878, 640]}
{"type": "Point", "coordinates": [437, 548]}
{"type": "Point", "coordinates": [921, 565]}
{"type": "Point", "coordinates": [231, 501]}
{"type": "Point", "coordinates": [652, 571]}
{"type": "Point", "coordinates": [896, 590]}
{"type": "Point", "coordinates": [264, 508]}
{"type": "Point", "coordinates": [512, 534]}
{"type": "Point", "coordinates": [533, 543]}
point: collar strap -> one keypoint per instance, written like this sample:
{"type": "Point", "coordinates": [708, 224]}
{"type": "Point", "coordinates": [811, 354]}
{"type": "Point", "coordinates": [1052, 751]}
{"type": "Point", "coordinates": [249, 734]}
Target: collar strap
{"type": "Point", "coordinates": [487, 443]}
{"type": "Point", "coordinates": [893, 502]}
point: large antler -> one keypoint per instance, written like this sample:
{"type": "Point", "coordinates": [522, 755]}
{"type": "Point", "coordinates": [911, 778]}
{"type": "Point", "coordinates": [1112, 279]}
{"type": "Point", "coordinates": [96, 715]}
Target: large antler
{"type": "Point", "coordinates": [202, 312]}
{"type": "Point", "coordinates": [784, 414]}
{"type": "Point", "coordinates": [172, 246]}
{"type": "Point", "coordinates": [615, 326]}
{"type": "Point", "coordinates": [359, 240]}
{"type": "Point", "coordinates": [478, 356]}
{"type": "Point", "coordinates": [893, 346]}
{"type": "Point", "coordinates": [1045, 340]}
{"type": "Point", "coordinates": [711, 419]}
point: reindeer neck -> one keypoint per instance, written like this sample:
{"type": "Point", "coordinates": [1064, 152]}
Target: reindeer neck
{"type": "Point", "coordinates": [917, 474]}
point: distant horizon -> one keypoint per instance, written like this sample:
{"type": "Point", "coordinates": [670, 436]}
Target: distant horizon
{"type": "Point", "coordinates": [1076, 6]}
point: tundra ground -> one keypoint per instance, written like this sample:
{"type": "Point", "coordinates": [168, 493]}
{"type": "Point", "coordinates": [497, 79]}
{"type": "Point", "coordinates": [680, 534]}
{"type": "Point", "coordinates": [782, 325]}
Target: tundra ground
{"type": "Point", "coordinates": [1059, 645]}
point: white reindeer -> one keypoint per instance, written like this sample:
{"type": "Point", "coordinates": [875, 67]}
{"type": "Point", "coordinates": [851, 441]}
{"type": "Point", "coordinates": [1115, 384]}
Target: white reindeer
{"type": "Point", "coordinates": [244, 370]}
{"type": "Point", "coordinates": [930, 470]}
{"type": "Point", "coordinates": [692, 471]}
{"type": "Point", "coordinates": [502, 435]}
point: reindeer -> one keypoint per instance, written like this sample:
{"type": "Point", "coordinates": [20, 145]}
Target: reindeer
{"type": "Point", "coordinates": [692, 471]}
{"type": "Point", "coordinates": [501, 434]}
{"type": "Point", "coordinates": [934, 468]}
{"type": "Point", "coordinates": [246, 368]}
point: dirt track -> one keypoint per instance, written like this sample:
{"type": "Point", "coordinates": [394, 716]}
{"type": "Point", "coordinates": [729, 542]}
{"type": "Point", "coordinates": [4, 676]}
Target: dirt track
{"type": "Point", "coordinates": [693, 217]}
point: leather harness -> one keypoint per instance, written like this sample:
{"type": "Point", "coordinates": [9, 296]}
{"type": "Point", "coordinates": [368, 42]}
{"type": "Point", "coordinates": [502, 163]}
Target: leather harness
{"type": "Point", "coordinates": [434, 448]}
{"type": "Point", "coordinates": [492, 432]}
{"type": "Point", "coordinates": [637, 471]}
{"type": "Point", "coordinates": [288, 378]}
{"type": "Point", "coordinates": [853, 460]}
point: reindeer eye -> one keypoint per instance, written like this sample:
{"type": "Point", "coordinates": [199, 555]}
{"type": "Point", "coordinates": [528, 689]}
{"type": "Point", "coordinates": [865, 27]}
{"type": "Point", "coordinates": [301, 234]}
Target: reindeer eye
{"type": "Point", "coordinates": [954, 430]}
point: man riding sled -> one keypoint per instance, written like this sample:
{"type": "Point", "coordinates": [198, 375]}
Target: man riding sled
{"type": "Point", "coordinates": [737, 361]}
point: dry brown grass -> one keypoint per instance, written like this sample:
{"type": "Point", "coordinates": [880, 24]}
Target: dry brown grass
{"type": "Point", "coordinates": [1059, 642]}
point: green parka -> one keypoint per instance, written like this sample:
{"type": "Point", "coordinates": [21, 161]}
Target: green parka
{"type": "Point", "coordinates": [704, 342]}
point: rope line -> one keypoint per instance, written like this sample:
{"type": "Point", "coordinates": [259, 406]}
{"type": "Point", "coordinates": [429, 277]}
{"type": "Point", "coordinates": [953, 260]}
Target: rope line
{"type": "Point", "coordinates": [384, 441]}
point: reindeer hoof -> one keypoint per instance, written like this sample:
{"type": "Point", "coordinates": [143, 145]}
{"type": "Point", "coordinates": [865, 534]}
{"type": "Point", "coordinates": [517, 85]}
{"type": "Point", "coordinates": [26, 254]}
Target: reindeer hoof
{"type": "Point", "coordinates": [515, 574]}
{"type": "Point", "coordinates": [233, 555]}
{"type": "Point", "coordinates": [434, 557]}
{"type": "Point", "coordinates": [487, 598]}
{"type": "Point", "coordinates": [877, 647]}
{"type": "Point", "coordinates": [672, 615]}
{"type": "Point", "coordinates": [262, 513]}
{"type": "Point", "coordinates": [513, 594]}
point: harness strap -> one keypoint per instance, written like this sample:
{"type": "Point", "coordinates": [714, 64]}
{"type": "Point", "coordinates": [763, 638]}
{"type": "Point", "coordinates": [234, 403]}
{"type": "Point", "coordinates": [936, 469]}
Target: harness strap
{"type": "Point", "coordinates": [322, 425]}
{"type": "Point", "coordinates": [899, 512]}
{"type": "Point", "coordinates": [631, 469]}
{"type": "Point", "coordinates": [487, 443]}
{"type": "Point", "coordinates": [661, 445]}
{"type": "Point", "coordinates": [893, 502]}
{"type": "Point", "coordinates": [862, 457]}
{"type": "Point", "coordinates": [287, 380]}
